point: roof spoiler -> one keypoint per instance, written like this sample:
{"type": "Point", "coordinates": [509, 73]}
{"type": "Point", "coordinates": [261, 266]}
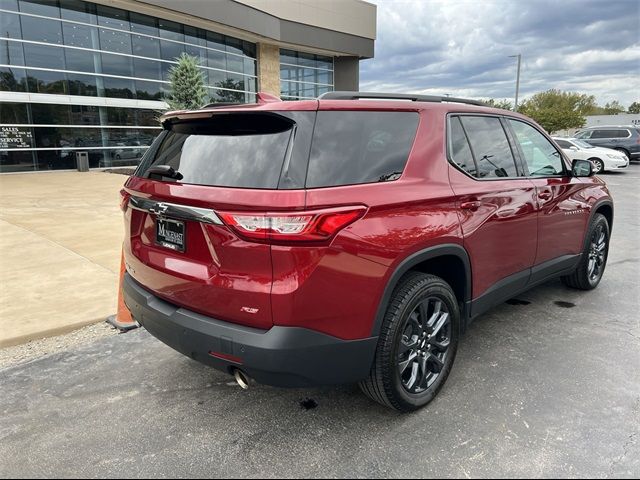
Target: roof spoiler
{"type": "Point", "coordinates": [261, 99]}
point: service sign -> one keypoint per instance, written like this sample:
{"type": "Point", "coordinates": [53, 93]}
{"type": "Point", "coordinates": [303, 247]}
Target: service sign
{"type": "Point", "coordinates": [16, 137]}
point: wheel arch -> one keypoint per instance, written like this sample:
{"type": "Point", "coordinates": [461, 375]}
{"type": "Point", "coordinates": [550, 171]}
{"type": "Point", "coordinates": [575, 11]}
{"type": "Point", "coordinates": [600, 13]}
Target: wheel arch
{"type": "Point", "coordinates": [604, 207]}
{"type": "Point", "coordinates": [449, 262]}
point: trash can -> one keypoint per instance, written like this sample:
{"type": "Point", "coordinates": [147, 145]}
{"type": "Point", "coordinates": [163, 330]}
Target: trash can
{"type": "Point", "coordinates": [82, 159]}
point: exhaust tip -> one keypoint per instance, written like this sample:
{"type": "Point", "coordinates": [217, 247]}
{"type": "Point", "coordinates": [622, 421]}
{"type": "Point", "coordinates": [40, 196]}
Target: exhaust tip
{"type": "Point", "coordinates": [241, 379]}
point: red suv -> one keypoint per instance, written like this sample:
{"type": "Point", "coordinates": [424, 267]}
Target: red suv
{"type": "Point", "coordinates": [350, 238]}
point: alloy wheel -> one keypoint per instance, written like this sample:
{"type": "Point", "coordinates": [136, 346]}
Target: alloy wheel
{"type": "Point", "coordinates": [597, 166]}
{"type": "Point", "coordinates": [597, 254]}
{"type": "Point", "coordinates": [424, 345]}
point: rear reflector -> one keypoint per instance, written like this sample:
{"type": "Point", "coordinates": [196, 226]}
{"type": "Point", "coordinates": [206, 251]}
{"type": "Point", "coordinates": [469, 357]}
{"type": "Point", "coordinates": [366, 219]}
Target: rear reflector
{"type": "Point", "coordinates": [226, 357]}
{"type": "Point", "coordinates": [124, 199]}
{"type": "Point", "coordinates": [316, 226]}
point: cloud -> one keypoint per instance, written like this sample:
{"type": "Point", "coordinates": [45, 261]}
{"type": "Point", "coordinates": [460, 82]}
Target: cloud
{"type": "Point", "coordinates": [462, 48]}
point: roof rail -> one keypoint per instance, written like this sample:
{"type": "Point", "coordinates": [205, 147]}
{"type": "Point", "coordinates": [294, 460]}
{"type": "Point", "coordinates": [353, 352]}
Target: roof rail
{"type": "Point", "coordinates": [397, 96]}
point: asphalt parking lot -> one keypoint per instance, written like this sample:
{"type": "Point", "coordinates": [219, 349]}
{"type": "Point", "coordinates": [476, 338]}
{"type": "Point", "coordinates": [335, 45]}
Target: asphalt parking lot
{"type": "Point", "coordinates": [545, 386]}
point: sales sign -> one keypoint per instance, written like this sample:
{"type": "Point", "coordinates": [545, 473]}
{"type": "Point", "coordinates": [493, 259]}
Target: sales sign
{"type": "Point", "coordinates": [15, 137]}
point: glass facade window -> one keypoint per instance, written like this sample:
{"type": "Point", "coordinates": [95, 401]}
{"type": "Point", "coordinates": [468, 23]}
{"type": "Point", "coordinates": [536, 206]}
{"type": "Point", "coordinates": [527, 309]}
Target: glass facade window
{"type": "Point", "coordinates": [45, 136]}
{"type": "Point", "coordinates": [11, 53]}
{"type": "Point", "coordinates": [77, 48]}
{"type": "Point", "coordinates": [49, 82]}
{"type": "Point", "coordinates": [10, 25]}
{"type": "Point", "coordinates": [82, 85]}
{"type": "Point", "coordinates": [13, 79]}
{"type": "Point", "coordinates": [105, 40]}
{"type": "Point", "coordinates": [78, 11]}
{"type": "Point", "coordinates": [82, 36]}
{"type": "Point", "coordinates": [38, 7]}
{"type": "Point", "coordinates": [304, 75]}
{"type": "Point", "coordinates": [41, 29]}
{"type": "Point", "coordinates": [80, 60]}
{"type": "Point", "coordinates": [113, 17]}
{"type": "Point", "coordinates": [144, 46]}
{"type": "Point", "coordinates": [43, 56]}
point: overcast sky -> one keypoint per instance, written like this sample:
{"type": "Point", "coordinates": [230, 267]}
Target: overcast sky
{"type": "Point", "coordinates": [462, 48]}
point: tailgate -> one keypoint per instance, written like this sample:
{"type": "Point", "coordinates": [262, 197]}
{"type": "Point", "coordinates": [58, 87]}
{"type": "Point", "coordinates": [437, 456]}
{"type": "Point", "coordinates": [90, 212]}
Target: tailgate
{"type": "Point", "coordinates": [177, 246]}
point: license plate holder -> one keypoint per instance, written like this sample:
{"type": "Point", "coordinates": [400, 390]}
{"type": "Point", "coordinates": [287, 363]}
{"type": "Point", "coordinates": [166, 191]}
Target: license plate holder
{"type": "Point", "coordinates": [170, 234]}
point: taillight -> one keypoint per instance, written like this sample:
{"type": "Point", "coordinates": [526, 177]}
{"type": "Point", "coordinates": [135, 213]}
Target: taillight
{"type": "Point", "coordinates": [124, 199]}
{"type": "Point", "coordinates": [315, 226]}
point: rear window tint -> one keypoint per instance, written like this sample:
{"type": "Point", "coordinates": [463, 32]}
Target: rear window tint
{"type": "Point", "coordinates": [360, 147]}
{"type": "Point", "coordinates": [228, 150]}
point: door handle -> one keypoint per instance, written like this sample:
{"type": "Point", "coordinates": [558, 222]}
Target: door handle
{"type": "Point", "coordinates": [545, 195]}
{"type": "Point", "coordinates": [473, 206]}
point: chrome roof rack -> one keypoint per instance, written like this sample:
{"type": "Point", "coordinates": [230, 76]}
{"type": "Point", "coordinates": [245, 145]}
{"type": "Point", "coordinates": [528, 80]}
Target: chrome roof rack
{"type": "Point", "coordinates": [397, 96]}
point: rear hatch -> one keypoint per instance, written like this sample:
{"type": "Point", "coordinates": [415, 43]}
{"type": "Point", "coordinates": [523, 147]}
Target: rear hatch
{"type": "Point", "coordinates": [201, 168]}
{"type": "Point", "coordinates": [233, 212]}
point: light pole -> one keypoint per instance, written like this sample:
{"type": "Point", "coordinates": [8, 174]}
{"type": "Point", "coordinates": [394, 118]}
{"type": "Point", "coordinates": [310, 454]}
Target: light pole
{"type": "Point", "coordinates": [519, 57]}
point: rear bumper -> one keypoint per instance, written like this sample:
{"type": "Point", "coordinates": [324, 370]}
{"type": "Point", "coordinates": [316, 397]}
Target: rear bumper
{"type": "Point", "coordinates": [281, 356]}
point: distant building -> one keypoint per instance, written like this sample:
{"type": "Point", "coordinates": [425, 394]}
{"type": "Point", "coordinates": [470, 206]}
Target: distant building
{"type": "Point", "coordinates": [619, 119]}
{"type": "Point", "coordinates": [90, 76]}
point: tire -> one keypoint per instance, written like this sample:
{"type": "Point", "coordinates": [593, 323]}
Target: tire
{"type": "Point", "coordinates": [403, 342]}
{"type": "Point", "coordinates": [598, 165]}
{"type": "Point", "coordinates": [596, 250]}
{"type": "Point", "coordinates": [622, 150]}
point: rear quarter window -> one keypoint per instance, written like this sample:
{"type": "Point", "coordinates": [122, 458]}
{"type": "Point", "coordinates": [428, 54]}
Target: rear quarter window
{"type": "Point", "coordinates": [624, 133]}
{"type": "Point", "coordinates": [360, 147]}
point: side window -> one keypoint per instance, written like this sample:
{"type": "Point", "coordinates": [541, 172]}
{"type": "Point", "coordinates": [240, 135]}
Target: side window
{"type": "Point", "coordinates": [602, 134]}
{"type": "Point", "coordinates": [623, 134]}
{"type": "Point", "coordinates": [563, 144]}
{"type": "Point", "coordinates": [539, 154]}
{"type": "Point", "coordinates": [459, 148]}
{"type": "Point", "coordinates": [353, 147]}
{"type": "Point", "coordinates": [490, 147]}
{"type": "Point", "coordinates": [584, 135]}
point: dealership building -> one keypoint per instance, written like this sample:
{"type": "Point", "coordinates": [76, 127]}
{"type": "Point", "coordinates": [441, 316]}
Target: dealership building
{"type": "Point", "coordinates": [82, 78]}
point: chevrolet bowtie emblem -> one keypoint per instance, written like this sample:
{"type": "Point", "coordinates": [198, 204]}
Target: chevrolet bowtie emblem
{"type": "Point", "coordinates": [159, 208]}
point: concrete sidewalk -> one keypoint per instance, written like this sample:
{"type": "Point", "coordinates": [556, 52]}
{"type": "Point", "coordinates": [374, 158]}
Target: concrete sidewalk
{"type": "Point", "coordinates": [59, 252]}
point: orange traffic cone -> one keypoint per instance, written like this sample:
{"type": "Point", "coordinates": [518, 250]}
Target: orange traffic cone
{"type": "Point", "coordinates": [122, 320]}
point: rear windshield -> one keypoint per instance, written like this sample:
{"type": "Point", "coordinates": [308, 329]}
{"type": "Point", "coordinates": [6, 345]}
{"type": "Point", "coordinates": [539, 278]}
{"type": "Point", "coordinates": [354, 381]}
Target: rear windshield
{"type": "Point", "coordinates": [360, 147]}
{"type": "Point", "coordinates": [227, 150]}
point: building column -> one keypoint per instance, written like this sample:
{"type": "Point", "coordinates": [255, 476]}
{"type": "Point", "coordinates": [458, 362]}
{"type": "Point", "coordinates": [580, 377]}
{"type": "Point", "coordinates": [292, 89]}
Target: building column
{"type": "Point", "coordinates": [269, 68]}
{"type": "Point", "coordinates": [346, 73]}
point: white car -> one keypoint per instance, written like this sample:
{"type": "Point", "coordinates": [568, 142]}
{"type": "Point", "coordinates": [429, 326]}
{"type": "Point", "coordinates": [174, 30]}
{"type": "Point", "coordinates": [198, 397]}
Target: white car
{"type": "Point", "coordinates": [602, 158]}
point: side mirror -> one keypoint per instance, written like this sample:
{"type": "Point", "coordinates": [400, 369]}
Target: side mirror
{"type": "Point", "coordinates": [582, 168]}
{"type": "Point", "coordinates": [574, 148]}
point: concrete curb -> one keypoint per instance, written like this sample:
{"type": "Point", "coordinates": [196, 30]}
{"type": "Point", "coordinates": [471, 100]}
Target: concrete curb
{"type": "Point", "coordinates": [52, 332]}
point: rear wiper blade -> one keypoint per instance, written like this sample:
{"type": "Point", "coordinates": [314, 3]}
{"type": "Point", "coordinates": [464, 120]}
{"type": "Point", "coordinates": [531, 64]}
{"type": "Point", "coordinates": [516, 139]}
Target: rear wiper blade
{"type": "Point", "coordinates": [164, 171]}
{"type": "Point", "coordinates": [390, 176]}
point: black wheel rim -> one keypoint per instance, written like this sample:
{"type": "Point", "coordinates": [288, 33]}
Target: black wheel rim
{"type": "Point", "coordinates": [597, 253]}
{"type": "Point", "coordinates": [424, 345]}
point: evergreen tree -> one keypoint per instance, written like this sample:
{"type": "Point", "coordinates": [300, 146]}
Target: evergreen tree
{"type": "Point", "coordinates": [187, 85]}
